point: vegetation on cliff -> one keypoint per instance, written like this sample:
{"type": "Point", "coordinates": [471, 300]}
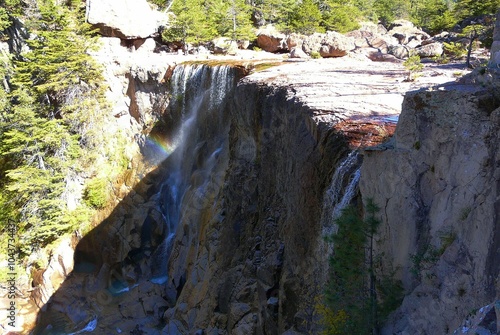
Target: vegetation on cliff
{"type": "Point", "coordinates": [52, 124]}
{"type": "Point", "coordinates": [357, 298]}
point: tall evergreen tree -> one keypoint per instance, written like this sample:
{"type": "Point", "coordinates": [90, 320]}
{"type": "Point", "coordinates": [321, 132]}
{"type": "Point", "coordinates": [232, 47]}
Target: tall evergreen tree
{"type": "Point", "coordinates": [231, 18]}
{"type": "Point", "coordinates": [190, 23]}
{"type": "Point", "coordinates": [8, 10]}
{"type": "Point", "coordinates": [434, 15]}
{"type": "Point", "coordinates": [352, 305]}
{"type": "Point", "coordinates": [340, 16]}
{"type": "Point", "coordinates": [58, 65]}
{"type": "Point", "coordinates": [389, 10]}
{"type": "Point", "coordinates": [39, 152]}
{"type": "Point", "coordinates": [469, 8]}
{"type": "Point", "coordinates": [306, 18]}
{"type": "Point", "coordinates": [49, 116]}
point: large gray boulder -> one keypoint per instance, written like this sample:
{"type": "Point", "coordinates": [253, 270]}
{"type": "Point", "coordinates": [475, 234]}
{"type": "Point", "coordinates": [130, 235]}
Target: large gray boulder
{"type": "Point", "coordinates": [399, 51]}
{"type": "Point", "coordinates": [382, 42]}
{"type": "Point", "coordinates": [298, 53]}
{"type": "Point", "coordinates": [430, 50]}
{"type": "Point", "coordinates": [336, 45]}
{"type": "Point", "coordinates": [405, 31]}
{"type": "Point", "coordinates": [331, 44]}
{"type": "Point", "coordinates": [126, 19]}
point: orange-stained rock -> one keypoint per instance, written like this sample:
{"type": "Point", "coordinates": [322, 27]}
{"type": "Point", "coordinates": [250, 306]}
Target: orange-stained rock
{"type": "Point", "coordinates": [367, 132]}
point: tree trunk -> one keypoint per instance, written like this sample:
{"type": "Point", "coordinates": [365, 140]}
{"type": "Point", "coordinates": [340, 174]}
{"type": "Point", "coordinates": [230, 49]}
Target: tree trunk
{"type": "Point", "coordinates": [469, 49]}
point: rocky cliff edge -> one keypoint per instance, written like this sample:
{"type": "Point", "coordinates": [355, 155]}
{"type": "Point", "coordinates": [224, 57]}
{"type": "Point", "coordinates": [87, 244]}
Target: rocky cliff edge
{"type": "Point", "coordinates": [437, 184]}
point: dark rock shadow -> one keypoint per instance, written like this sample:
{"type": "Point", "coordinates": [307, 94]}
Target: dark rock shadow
{"type": "Point", "coordinates": [116, 266]}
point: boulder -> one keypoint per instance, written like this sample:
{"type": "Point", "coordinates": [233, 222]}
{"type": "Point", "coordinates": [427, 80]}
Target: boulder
{"type": "Point", "coordinates": [130, 19]}
{"type": "Point", "coordinates": [404, 31]}
{"type": "Point", "coordinates": [298, 53]}
{"type": "Point", "coordinates": [294, 40]}
{"type": "Point", "coordinates": [414, 43]}
{"type": "Point", "coordinates": [401, 23]}
{"type": "Point", "coordinates": [336, 45]}
{"type": "Point", "coordinates": [312, 43]}
{"type": "Point", "coordinates": [382, 42]}
{"type": "Point", "coordinates": [361, 37]}
{"type": "Point", "coordinates": [331, 44]}
{"type": "Point", "coordinates": [225, 46]}
{"type": "Point", "coordinates": [243, 44]}
{"type": "Point", "coordinates": [430, 50]}
{"type": "Point", "coordinates": [399, 51]}
{"type": "Point", "coordinates": [372, 28]}
{"type": "Point", "coordinates": [377, 56]}
{"type": "Point", "coordinates": [270, 40]}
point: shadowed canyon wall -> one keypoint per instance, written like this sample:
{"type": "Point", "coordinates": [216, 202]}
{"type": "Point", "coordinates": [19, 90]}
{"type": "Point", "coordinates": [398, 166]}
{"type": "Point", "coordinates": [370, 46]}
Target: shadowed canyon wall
{"type": "Point", "coordinates": [225, 235]}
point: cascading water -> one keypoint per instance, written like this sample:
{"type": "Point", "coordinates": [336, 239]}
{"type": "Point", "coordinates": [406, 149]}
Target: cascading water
{"type": "Point", "coordinates": [124, 261]}
{"type": "Point", "coordinates": [198, 95]}
{"type": "Point", "coordinates": [218, 229]}
{"type": "Point", "coordinates": [341, 191]}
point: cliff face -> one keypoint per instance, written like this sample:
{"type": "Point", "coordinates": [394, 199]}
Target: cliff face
{"type": "Point", "coordinates": [248, 261]}
{"type": "Point", "coordinates": [438, 188]}
{"type": "Point", "coordinates": [236, 207]}
{"type": "Point", "coordinates": [226, 234]}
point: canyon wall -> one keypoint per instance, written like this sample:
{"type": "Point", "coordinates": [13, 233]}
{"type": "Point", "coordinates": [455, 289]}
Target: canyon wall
{"type": "Point", "coordinates": [248, 261]}
{"type": "Point", "coordinates": [437, 183]}
{"type": "Point", "coordinates": [236, 206]}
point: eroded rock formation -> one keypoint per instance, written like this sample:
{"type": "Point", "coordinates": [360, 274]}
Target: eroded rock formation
{"type": "Point", "coordinates": [245, 198]}
{"type": "Point", "coordinates": [438, 190]}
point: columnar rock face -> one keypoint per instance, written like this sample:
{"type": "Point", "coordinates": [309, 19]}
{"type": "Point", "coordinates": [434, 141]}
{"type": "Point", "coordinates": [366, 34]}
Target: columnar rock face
{"type": "Point", "coordinates": [248, 226]}
{"type": "Point", "coordinates": [438, 188]}
{"type": "Point", "coordinates": [244, 264]}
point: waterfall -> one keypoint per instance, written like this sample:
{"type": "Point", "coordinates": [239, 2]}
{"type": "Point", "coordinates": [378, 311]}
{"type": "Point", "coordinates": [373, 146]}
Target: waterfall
{"type": "Point", "coordinates": [198, 96]}
{"type": "Point", "coordinates": [341, 191]}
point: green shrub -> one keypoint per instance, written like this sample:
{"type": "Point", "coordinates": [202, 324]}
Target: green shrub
{"type": "Point", "coordinates": [455, 50]}
{"type": "Point", "coordinates": [97, 193]}
{"type": "Point", "coordinates": [443, 59]}
{"type": "Point", "coordinates": [414, 67]}
{"type": "Point", "coordinates": [315, 55]}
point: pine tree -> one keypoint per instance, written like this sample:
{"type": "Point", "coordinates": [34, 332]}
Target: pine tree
{"type": "Point", "coordinates": [39, 152]}
{"type": "Point", "coordinates": [352, 304]}
{"type": "Point", "coordinates": [270, 11]}
{"type": "Point", "coordinates": [48, 120]}
{"type": "Point", "coordinates": [434, 15]}
{"type": "Point", "coordinates": [340, 16]}
{"type": "Point", "coordinates": [231, 19]}
{"type": "Point", "coordinates": [470, 8]}
{"type": "Point", "coordinates": [8, 10]}
{"type": "Point", "coordinates": [190, 23]}
{"type": "Point", "coordinates": [306, 18]}
{"type": "Point", "coordinates": [389, 10]}
{"type": "Point", "coordinates": [58, 65]}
